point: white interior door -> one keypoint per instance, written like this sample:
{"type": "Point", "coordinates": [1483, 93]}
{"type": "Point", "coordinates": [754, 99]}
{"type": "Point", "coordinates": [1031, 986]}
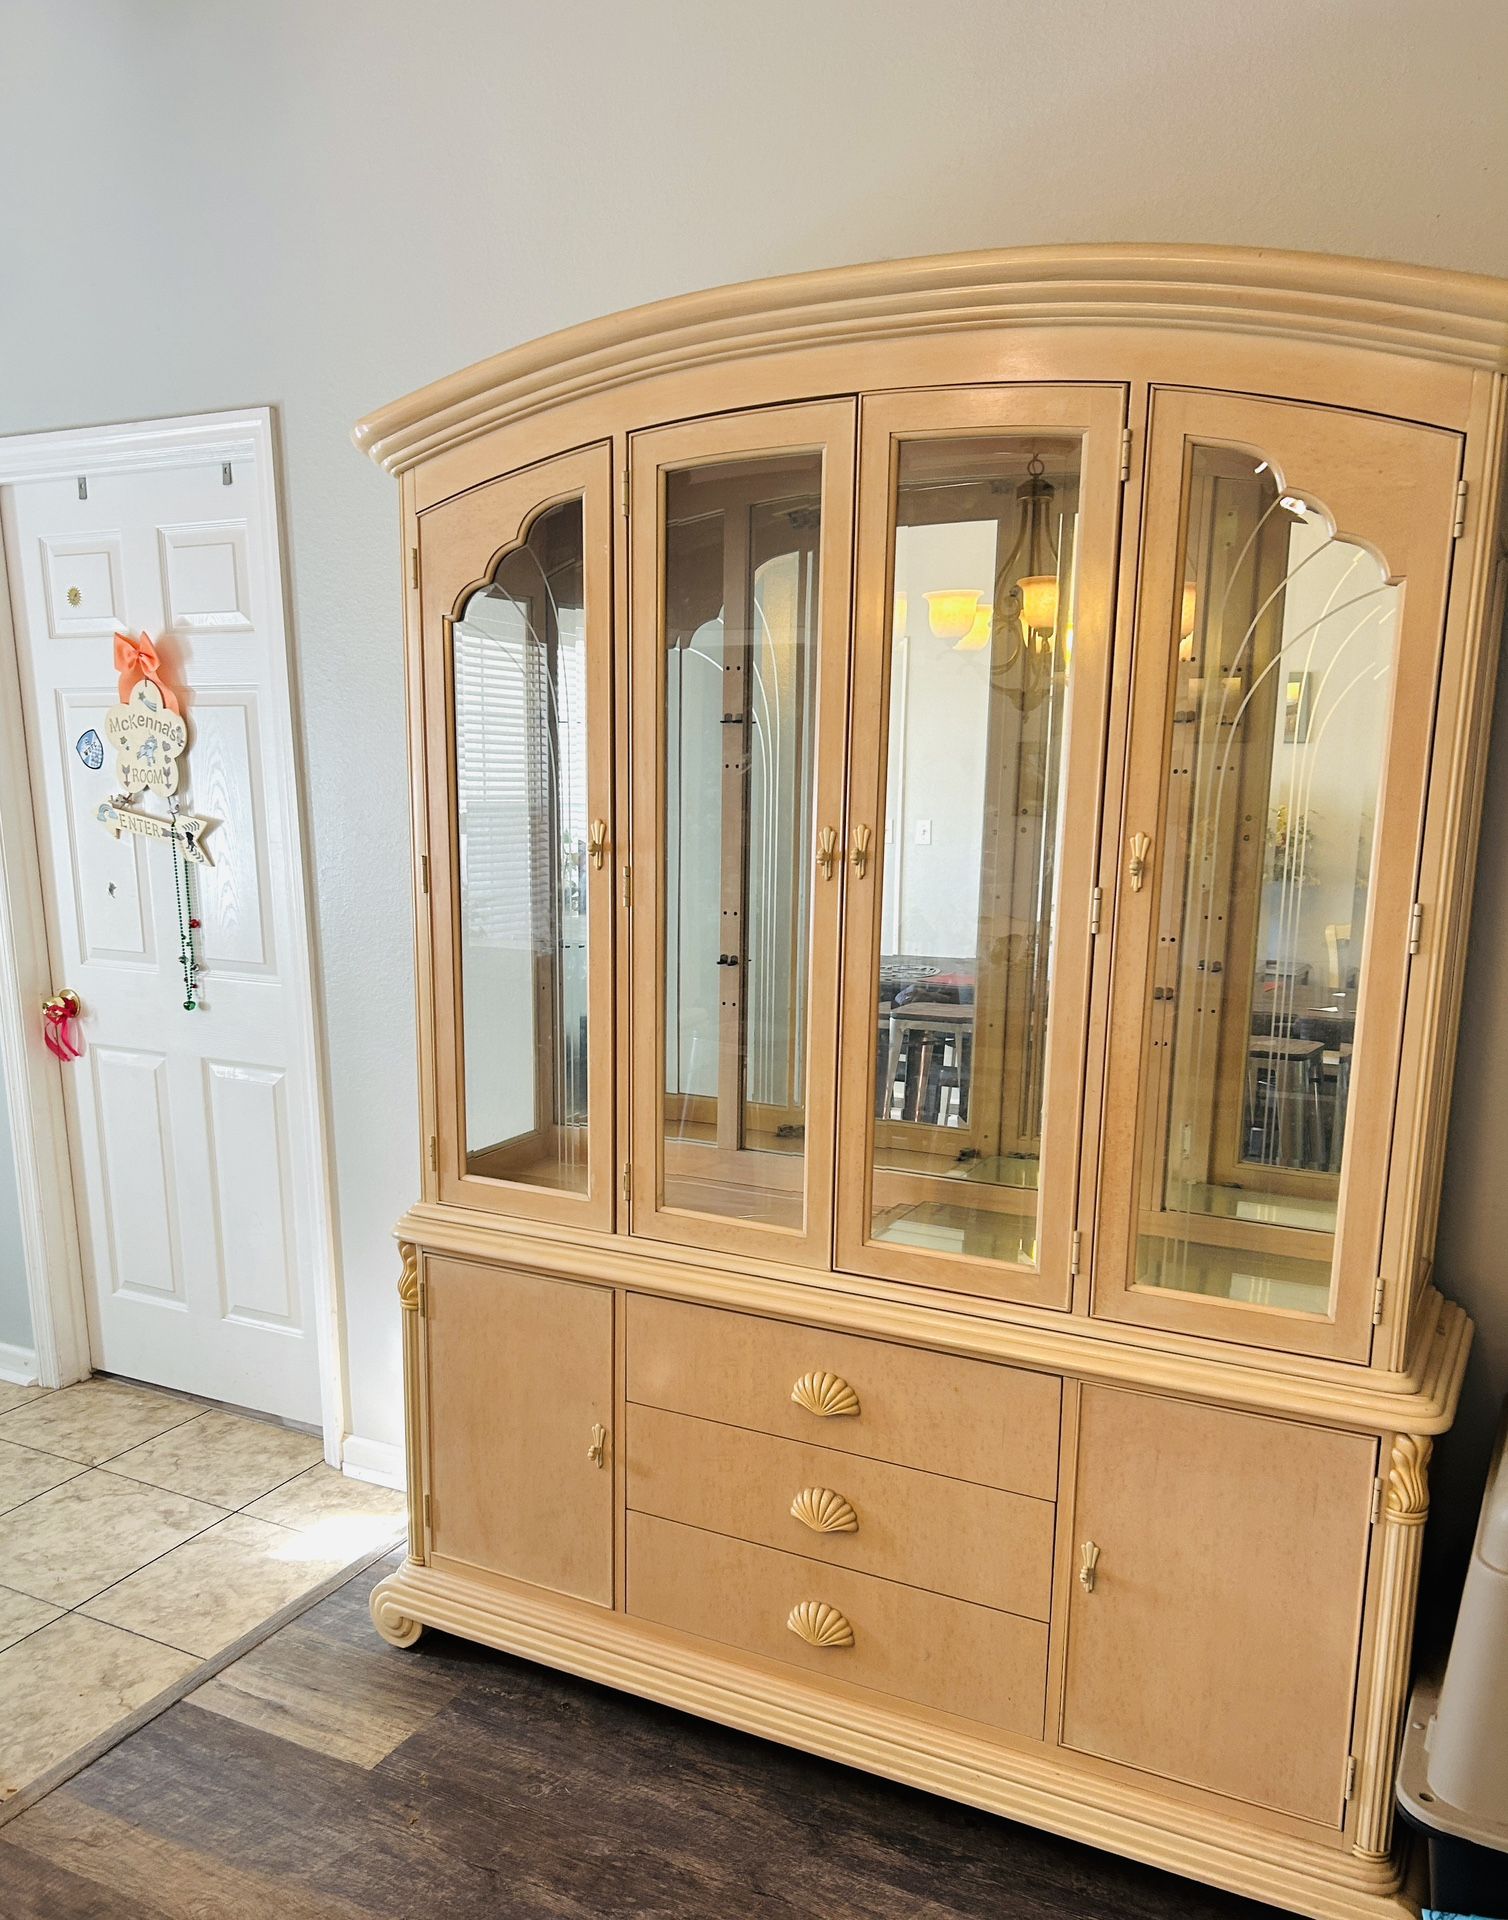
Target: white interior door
{"type": "Point", "coordinates": [195, 1137]}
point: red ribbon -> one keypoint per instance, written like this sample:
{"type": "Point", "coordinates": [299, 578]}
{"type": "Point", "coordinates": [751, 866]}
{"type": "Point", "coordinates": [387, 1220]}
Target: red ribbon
{"type": "Point", "coordinates": [57, 1031]}
{"type": "Point", "coordinates": [139, 660]}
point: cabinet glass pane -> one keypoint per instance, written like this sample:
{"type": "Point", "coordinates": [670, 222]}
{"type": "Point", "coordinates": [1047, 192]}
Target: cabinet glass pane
{"type": "Point", "coordinates": [1285, 649]}
{"type": "Point", "coordinates": [519, 659]}
{"type": "Point", "coordinates": [742, 550]}
{"type": "Point", "coordinates": [980, 670]}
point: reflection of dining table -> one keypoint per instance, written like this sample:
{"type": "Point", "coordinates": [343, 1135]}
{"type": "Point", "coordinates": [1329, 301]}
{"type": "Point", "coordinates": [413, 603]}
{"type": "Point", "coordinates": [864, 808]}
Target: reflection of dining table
{"type": "Point", "coordinates": [1299, 1083]}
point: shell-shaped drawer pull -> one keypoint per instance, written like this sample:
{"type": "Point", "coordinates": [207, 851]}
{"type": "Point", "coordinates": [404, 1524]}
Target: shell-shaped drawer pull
{"type": "Point", "coordinates": [825, 1394]}
{"type": "Point", "coordinates": [819, 1625]}
{"type": "Point", "coordinates": [824, 1511]}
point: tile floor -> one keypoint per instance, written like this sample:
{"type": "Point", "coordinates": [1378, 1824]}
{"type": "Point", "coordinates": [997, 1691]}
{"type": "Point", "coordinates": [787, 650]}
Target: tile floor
{"type": "Point", "coordinates": [141, 1533]}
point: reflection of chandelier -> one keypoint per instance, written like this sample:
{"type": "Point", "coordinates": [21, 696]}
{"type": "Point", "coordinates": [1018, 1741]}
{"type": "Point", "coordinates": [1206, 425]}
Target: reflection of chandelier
{"type": "Point", "coordinates": [1026, 595]}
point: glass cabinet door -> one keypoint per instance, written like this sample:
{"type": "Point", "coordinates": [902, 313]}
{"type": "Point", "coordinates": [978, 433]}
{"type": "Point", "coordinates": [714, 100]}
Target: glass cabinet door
{"type": "Point", "coordinates": [1288, 636]}
{"type": "Point", "coordinates": [987, 543]}
{"type": "Point", "coordinates": [515, 590]}
{"type": "Point", "coordinates": [741, 569]}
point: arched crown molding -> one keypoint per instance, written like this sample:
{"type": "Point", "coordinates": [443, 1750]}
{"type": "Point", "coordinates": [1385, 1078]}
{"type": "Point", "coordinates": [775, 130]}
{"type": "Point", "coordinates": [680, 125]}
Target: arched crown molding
{"type": "Point", "coordinates": [1458, 318]}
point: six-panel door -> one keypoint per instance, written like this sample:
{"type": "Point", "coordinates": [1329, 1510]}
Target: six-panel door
{"type": "Point", "coordinates": [1291, 606]}
{"type": "Point", "coordinates": [515, 581]}
{"type": "Point", "coordinates": [519, 1387]}
{"type": "Point", "coordinates": [742, 536]}
{"type": "Point", "coordinates": [1213, 1628]}
{"type": "Point", "coordinates": [983, 614]}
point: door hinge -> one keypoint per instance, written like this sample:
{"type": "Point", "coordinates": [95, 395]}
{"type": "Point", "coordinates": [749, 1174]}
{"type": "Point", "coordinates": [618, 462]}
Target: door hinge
{"type": "Point", "coordinates": [424, 871]}
{"type": "Point", "coordinates": [1458, 526]}
{"type": "Point", "coordinates": [1378, 1292]}
{"type": "Point", "coordinates": [227, 474]}
{"type": "Point", "coordinates": [628, 1181]}
{"type": "Point", "coordinates": [1350, 1775]}
{"type": "Point", "coordinates": [1076, 1249]}
{"type": "Point", "coordinates": [1125, 453]}
{"type": "Point", "coordinates": [413, 566]}
{"type": "Point", "coordinates": [628, 884]}
{"type": "Point", "coordinates": [1096, 903]}
{"type": "Point", "coordinates": [1377, 1492]}
{"type": "Point", "coordinates": [434, 1154]}
{"type": "Point", "coordinates": [1416, 925]}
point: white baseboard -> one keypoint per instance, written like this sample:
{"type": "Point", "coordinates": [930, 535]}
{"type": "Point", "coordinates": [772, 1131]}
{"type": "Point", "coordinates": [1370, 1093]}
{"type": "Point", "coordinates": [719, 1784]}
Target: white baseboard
{"type": "Point", "coordinates": [18, 1365]}
{"type": "Point", "coordinates": [376, 1460]}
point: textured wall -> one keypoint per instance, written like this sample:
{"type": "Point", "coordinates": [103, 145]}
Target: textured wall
{"type": "Point", "coordinates": [324, 205]}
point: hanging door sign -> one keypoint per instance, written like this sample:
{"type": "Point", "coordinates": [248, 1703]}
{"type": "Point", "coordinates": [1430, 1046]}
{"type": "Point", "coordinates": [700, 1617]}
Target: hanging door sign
{"type": "Point", "coordinates": [148, 737]}
{"type": "Point", "coordinates": [186, 828]}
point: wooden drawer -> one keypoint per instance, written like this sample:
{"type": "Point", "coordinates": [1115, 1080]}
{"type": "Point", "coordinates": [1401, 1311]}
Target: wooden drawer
{"type": "Point", "coordinates": [951, 1536]}
{"type": "Point", "coordinates": [968, 1419]}
{"type": "Point", "coordinates": [923, 1647]}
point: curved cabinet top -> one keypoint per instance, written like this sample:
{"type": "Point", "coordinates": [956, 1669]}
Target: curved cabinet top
{"type": "Point", "coordinates": [1457, 319]}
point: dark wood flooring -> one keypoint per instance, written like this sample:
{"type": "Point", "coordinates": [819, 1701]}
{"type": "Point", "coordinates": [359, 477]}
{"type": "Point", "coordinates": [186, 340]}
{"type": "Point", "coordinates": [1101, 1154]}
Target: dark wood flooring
{"type": "Point", "coordinates": [326, 1776]}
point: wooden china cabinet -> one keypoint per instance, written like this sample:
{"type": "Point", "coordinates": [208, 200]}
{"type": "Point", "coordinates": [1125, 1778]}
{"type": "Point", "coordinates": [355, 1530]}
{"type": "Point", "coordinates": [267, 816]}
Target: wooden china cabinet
{"type": "Point", "coordinates": [945, 799]}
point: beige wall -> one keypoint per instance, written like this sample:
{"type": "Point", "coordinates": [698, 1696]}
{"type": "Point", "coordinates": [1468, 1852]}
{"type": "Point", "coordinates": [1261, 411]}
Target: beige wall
{"type": "Point", "coordinates": [321, 204]}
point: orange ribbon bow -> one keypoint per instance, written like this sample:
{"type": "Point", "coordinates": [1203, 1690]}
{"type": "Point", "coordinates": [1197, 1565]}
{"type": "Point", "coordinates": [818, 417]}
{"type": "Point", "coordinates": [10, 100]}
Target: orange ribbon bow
{"type": "Point", "coordinates": [138, 660]}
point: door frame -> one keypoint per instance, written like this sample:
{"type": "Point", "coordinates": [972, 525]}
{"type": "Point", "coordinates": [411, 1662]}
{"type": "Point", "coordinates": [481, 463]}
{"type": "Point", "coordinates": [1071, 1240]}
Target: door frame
{"type": "Point", "coordinates": [32, 1078]}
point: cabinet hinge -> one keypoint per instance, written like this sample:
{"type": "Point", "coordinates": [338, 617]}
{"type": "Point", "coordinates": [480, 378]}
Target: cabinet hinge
{"type": "Point", "coordinates": [1125, 453]}
{"type": "Point", "coordinates": [1416, 925]}
{"type": "Point", "coordinates": [413, 566]}
{"type": "Point", "coordinates": [1459, 525]}
{"type": "Point", "coordinates": [429, 1515]}
{"type": "Point", "coordinates": [628, 1180]}
{"type": "Point", "coordinates": [424, 871]}
{"type": "Point", "coordinates": [1096, 903]}
{"type": "Point", "coordinates": [625, 485]}
{"type": "Point", "coordinates": [1377, 1298]}
{"type": "Point", "coordinates": [628, 884]}
{"type": "Point", "coordinates": [1075, 1251]}
{"type": "Point", "coordinates": [1377, 1493]}
{"type": "Point", "coordinates": [1350, 1774]}
{"type": "Point", "coordinates": [434, 1154]}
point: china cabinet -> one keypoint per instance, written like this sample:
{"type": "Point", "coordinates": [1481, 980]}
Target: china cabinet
{"type": "Point", "coordinates": [945, 800]}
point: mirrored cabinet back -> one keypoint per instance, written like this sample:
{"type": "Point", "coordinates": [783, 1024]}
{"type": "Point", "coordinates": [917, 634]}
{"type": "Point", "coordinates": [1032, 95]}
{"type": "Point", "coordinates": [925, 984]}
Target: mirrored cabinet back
{"type": "Point", "coordinates": [945, 802]}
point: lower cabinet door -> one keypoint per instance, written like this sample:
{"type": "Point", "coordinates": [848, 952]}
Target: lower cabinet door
{"type": "Point", "coordinates": [1215, 1624]}
{"type": "Point", "coordinates": [520, 1395]}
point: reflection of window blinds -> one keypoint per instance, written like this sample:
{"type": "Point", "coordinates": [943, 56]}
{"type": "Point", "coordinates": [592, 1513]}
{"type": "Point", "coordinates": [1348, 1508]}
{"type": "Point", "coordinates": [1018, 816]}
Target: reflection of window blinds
{"type": "Point", "coordinates": [570, 687]}
{"type": "Point", "coordinates": [495, 719]}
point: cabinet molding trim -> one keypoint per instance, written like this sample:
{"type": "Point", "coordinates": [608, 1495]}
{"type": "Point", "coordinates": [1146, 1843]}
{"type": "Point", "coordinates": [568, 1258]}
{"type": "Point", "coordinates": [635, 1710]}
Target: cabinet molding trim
{"type": "Point", "coordinates": [935, 1753]}
{"type": "Point", "coordinates": [1460, 319]}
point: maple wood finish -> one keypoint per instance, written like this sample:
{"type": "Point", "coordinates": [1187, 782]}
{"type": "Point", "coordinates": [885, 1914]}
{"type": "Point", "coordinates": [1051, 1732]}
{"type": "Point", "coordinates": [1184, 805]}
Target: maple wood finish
{"type": "Point", "coordinates": [989, 814]}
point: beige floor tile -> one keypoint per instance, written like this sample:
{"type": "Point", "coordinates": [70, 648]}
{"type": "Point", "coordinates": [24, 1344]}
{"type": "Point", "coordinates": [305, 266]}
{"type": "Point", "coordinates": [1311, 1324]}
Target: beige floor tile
{"type": "Point", "coordinates": [13, 1396]}
{"type": "Point", "coordinates": [24, 1473]}
{"type": "Point", "coordinates": [82, 1537]}
{"type": "Point", "coordinates": [63, 1687]}
{"type": "Point", "coordinates": [95, 1420]}
{"type": "Point", "coordinates": [204, 1595]}
{"type": "Point", "coordinates": [222, 1458]}
{"type": "Point", "coordinates": [346, 1517]}
{"type": "Point", "coordinates": [21, 1615]}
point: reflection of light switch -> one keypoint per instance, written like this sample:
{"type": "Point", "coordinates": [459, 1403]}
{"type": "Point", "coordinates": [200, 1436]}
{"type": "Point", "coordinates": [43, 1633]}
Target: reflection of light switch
{"type": "Point", "coordinates": [924, 833]}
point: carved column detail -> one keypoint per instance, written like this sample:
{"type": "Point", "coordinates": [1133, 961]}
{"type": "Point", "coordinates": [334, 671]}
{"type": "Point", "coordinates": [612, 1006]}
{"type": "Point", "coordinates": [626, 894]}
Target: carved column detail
{"type": "Point", "coordinates": [1405, 1508]}
{"type": "Point", "coordinates": [410, 1294]}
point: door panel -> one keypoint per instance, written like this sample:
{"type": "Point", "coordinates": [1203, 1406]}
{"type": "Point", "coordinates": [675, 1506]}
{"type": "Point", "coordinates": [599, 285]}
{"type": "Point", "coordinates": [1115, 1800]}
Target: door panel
{"type": "Point", "coordinates": [986, 567]}
{"type": "Point", "coordinates": [197, 1167]}
{"type": "Point", "coordinates": [1288, 635]}
{"type": "Point", "coordinates": [742, 538]}
{"type": "Point", "coordinates": [1217, 1644]}
{"type": "Point", "coordinates": [516, 597]}
{"type": "Point", "coordinates": [520, 1376]}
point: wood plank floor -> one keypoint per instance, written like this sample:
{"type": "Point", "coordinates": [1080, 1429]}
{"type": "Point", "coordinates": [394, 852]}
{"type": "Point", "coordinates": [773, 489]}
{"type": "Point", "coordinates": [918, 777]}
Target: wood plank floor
{"type": "Point", "coordinates": [326, 1776]}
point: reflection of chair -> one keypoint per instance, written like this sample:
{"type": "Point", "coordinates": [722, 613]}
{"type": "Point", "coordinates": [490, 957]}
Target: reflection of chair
{"type": "Point", "coordinates": [1338, 947]}
{"type": "Point", "coordinates": [1338, 1105]}
{"type": "Point", "coordinates": [925, 1055]}
{"type": "Point", "coordinates": [1285, 1123]}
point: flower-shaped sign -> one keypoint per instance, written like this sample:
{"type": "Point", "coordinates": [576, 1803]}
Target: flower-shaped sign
{"type": "Point", "coordinates": [148, 737]}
